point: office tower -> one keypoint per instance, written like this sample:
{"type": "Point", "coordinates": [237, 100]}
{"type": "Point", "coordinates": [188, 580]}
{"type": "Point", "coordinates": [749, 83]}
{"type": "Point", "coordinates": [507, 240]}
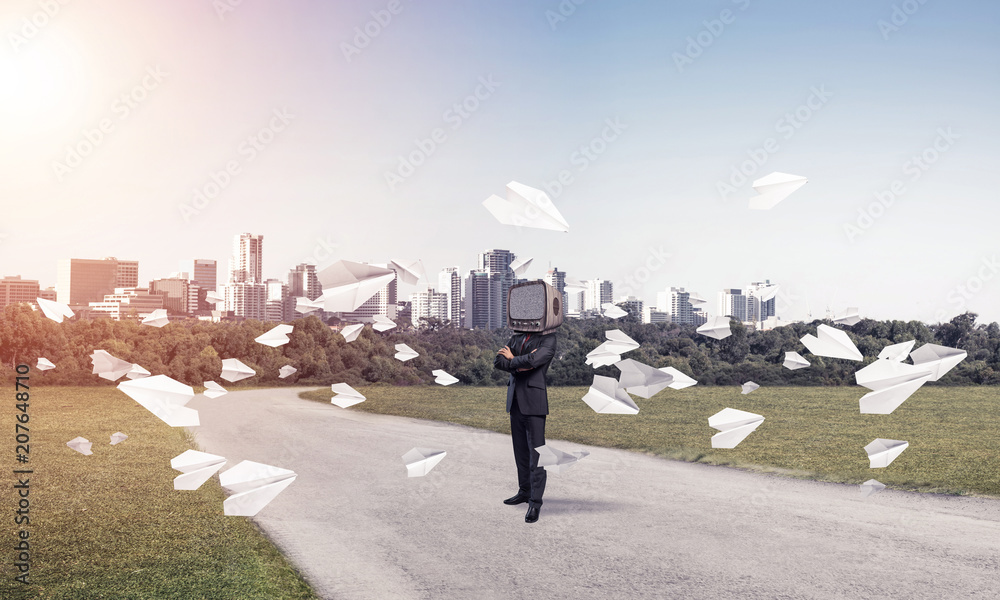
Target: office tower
{"type": "Point", "coordinates": [677, 302]}
{"type": "Point", "coordinates": [450, 284]}
{"type": "Point", "coordinates": [428, 304]}
{"type": "Point", "coordinates": [248, 253]}
{"type": "Point", "coordinates": [277, 307]}
{"type": "Point", "coordinates": [14, 290]}
{"type": "Point", "coordinates": [303, 283]}
{"type": "Point", "coordinates": [180, 295]}
{"type": "Point", "coordinates": [478, 309]}
{"type": "Point", "coordinates": [632, 305]}
{"type": "Point", "coordinates": [497, 264]}
{"type": "Point", "coordinates": [132, 303]}
{"type": "Point", "coordinates": [202, 272]}
{"type": "Point", "coordinates": [557, 279]}
{"type": "Point", "coordinates": [757, 310]}
{"type": "Point", "coordinates": [80, 281]}
{"type": "Point", "coordinates": [597, 293]}
{"type": "Point", "coordinates": [733, 303]}
{"type": "Point", "coordinates": [246, 300]}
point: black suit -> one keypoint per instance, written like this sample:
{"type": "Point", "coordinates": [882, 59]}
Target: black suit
{"type": "Point", "coordinates": [528, 403]}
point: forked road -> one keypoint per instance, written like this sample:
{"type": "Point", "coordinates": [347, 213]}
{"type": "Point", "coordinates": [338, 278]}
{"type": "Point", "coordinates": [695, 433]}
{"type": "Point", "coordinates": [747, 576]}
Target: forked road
{"type": "Point", "coordinates": [617, 525]}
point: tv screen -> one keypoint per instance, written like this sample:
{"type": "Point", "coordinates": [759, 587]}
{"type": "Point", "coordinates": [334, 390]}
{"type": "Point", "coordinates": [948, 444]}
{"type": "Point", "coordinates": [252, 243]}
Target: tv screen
{"type": "Point", "coordinates": [533, 306]}
{"type": "Point", "coordinates": [527, 302]}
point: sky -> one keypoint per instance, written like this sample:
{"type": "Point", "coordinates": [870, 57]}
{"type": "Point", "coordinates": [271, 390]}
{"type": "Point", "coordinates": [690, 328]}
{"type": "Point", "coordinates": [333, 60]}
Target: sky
{"type": "Point", "coordinates": [374, 130]}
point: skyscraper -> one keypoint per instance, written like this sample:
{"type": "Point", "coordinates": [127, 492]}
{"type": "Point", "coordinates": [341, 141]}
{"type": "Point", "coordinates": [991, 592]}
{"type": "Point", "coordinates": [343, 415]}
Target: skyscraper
{"type": "Point", "coordinates": [202, 272]}
{"type": "Point", "coordinates": [428, 304]}
{"type": "Point", "coordinates": [450, 284]}
{"type": "Point", "coordinates": [302, 282]}
{"type": "Point", "coordinates": [557, 279]}
{"type": "Point", "coordinates": [677, 302]}
{"type": "Point", "coordinates": [598, 292]}
{"type": "Point", "coordinates": [497, 264]}
{"type": "Point", "coordinates": [478, 297]}
{"type": "Point", "coordinates": [80, 281]}
{"type": "Point", "coordinates": [733, 303]}
{"type": "Point", "coordinates": [248, 252]}
{"type": "Point", "coordinates": [757, 310]}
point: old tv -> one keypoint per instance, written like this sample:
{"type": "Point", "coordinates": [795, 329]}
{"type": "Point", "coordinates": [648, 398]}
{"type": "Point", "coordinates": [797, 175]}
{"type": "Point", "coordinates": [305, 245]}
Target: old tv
{"type": "Point", "coordinates": [534, 306]}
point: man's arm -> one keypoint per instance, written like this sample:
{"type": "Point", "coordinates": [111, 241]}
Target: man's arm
{"type": "Point", "coordinates": [501, 362]}
{"type": "Point", "coordinates": [536, 358]}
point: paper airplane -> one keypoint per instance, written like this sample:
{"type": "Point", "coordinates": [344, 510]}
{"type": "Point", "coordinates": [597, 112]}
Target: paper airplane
{"type": "Point", "coordinates": [117, 438]}
{"type": "Point", "coordinates": [831, 343]}
{"type": "Point", "coordinates": [276, 336]}
{"type": "Point", "coordinates": [848, 317]}
{"type": "Point", "coordinates": [157, 318]}
{"type": "Point", "coordinates": [526, 207]}
{"type": "Point", "coordinates": [234, 370]}
{"type": "Point", "coordinates": [891, 383]}
{"type": "Point", "coordinates": [680, 381]}
{"type": "Point", "coordinates": [305, 305]}
{"type": "Point", "coordinates": [774, 188]}
{"type": "Point", "coordinates": [164, 397]}
{"type": "Point", "coordinates": [285, 371]}
{"type": "Point", "coordinates": [420, 461]}
{"type": "Point", "coordinates": [696, 299]}
{"type": "Point", "coordinates": [897, 352]}
{"type": "Point", "coordinates": [443, 377]}
{"type": "Point", "coordinates": [609, 352]}
{"type": "Point", "coordinates": [137, 372]}
{"type": "Point", "coordinates": [81, 445]}
{"type": "Point", "coordinates": [405, 353]}
{"type": "Point", "coordinates": [255, 485]}
{"type": "Point", "coordinates": [214, 390]}
{"type": "Point", "coordinates": [347, 285]}
{"type": "Point", "coordinates": [195, 467]}
{"type": "Point", "coordinates": [794, 361]}
{"type": "Point", "coordinates": [641, 379]}
{"type": "Point", "coordinates": [716, 327]}
{"type": "Point", "coordinates": [612, 311]}
{"type": "Point", "coordinates": [44, 364]}
{"type": "Point", "coordinates": [938, 359]}
{"type": "Point", "coordinates": [351, 332]}
{"type": "Point", "coordinates": [749, 387]}
{"type": "Point", "coordinates": [870, 487]}
{"type": "Point", "coordinates": [408, 271]}
{"type": "Point", "coordinates": [572, 285]}
{"type": "Point", "coordinates": [767, 292]}
{"type": "Point", "coordinates": [214, 297]}
{"type": "Point", "coordinates": [733, 425]}
{"type": "Point", "coordinates": [520, 265]}
{"type": "Point", "coordinates": [556, 461]}
{"type": "Point", "coordinates": [882, 452]}
{"type": "Point", "coordinates": [382, 323]}
{"type": "Point", "coordinates": [346, 395]}
{"type": "Point", "coordinates": [109, 367]}
{"type": "Point", "coordinates": [56, 311]}
{"type": "Point", "coordinates": [607, 397]}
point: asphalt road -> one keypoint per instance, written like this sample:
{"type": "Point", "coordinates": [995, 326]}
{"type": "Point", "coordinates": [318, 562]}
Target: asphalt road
{"type": "Point", "coordinates": [617, 525]}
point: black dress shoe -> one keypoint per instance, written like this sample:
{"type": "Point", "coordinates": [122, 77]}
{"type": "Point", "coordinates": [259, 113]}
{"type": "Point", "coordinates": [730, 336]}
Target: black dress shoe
{"type": "Point", "coordinates": [517, 499]}
{"type": "Point", "coordinates": [532, 515]}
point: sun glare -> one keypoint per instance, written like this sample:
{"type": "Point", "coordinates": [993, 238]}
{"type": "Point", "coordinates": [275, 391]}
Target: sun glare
{"type": "Point", "coordinates": [36, 86]}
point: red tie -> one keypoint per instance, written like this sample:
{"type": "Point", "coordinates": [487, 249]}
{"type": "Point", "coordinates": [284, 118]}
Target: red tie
{"type": "Point", "coordinates": [526, 338]}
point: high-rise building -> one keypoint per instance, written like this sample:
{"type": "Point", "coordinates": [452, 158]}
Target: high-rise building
{"type": "Point", "coordinates": [180, 295]}
{"type": "Point", "coordinates": [202, 272]}
{"type": "Point", "coordinates": [14, 290]}
{"type": "Point", "coordinates": [302, 282]}
{"type": "Point", "coordinates": [80, 281]}
{"type": "Point", "coordinates": [651, 315]}
{"type": "Point", "coordinates": [246, 263]}
{"type": "Point", "coordinates": [497, 264]}
{"type": "Point", "coordinates": [632, 305]}
{"type": "Point", "coordinates": [131, 303]}
{"type": "Point", "coordinates": [277, 306]}
{"type": "Point", "coordinates": [478, 300]}
{"type": "Point", "coordinates": [428, 304]}
{"type": "Point", "coordinates": [450, 284]}
{"type": "Point", "coordinates": [599, 291]}
{"type": "Point", "coordinates": [246, 300]}
{"type": "Point", "coordinates": [677, 302]}
{"type": "Point", "coordinates": [557, 279]}
{"type": "Point", "coordinates": [733, 303]}
{"type": "Point", "coordinates": [757, 310]}
{"type": "Point", "coordinates": [384, 303]}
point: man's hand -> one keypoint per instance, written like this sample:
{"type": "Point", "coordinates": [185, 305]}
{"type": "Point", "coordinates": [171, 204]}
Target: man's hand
{"type": "Point", "coordinates": [506, 353]}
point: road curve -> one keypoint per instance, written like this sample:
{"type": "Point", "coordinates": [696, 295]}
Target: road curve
{"type": "Point", "coordinates": [617, 525]}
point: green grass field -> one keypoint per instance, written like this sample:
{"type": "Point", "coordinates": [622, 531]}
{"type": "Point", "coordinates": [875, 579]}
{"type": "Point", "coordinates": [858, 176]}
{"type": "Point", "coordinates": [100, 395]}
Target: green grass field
{"type": "Point", "coordinates": [110, 525]}
{"type": "Point", "coordinates": [809, 432]}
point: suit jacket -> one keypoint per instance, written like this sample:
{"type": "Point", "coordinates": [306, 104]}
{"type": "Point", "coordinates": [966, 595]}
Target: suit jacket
{"type": "Point", "coordinates": [534, 352]}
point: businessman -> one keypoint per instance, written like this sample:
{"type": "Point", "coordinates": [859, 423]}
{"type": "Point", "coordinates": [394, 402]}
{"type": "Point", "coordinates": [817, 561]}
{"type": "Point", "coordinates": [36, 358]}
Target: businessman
{"type": "Point", "coordinates": [526, 357]}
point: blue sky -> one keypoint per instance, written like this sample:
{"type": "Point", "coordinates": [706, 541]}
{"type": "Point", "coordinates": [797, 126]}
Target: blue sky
{"type": "Point", "coordinates": [886, 97]}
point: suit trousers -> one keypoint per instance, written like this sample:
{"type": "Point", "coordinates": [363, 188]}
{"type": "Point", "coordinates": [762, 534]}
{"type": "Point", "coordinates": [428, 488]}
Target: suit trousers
{"type": "Point", "coordinates": [527, 432]}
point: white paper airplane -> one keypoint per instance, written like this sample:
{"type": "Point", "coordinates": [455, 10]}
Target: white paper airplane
{"type": "Point", "coordinates": [195, 467]}
{"type": "Point", "coordinates": [81, 445]}
{"type": "Point", "coordinates": [680, 381]}
{"type": "Point", "coordinates": [117, 438]}
{"type": "Point", "coordinates": [214, 297]}
{"type": "Point", "coordinates": [56, 311]}
{"type": "Point", "coordinates": [882, 452]}
{"type": "Point", "coordinates": [897, 352]}
{"type": "Point", "coordinates": [405, 353]}
{"type": "Point", "coordinates": [556, 461]}
{"type": "Point", "coordinates": [733, 425]}
{"type": "Point", "coordinates": [774, 188]}
{"type": "Point", "coordinates": [794, 361]}
{"type": "Point", "coordinates": [716, 327]}
{"type": "Point", "coordinates": [767, 292]}
{"type": "Point", "coordinates": [609, 352]}
{"type": "Point", "coordinates": [234, 370]}
{"type": "Point", "coordinates": [749, 387]}
{"type": "Point", "coordinates": [420, 461]}
{"type": "Point", "coordinates": [520, 265]}
{"type": "Point", "coordinates": [606, 397]}
{"type": "Point", "coordinates": [612, 311]}
{"type": "Point", "coordinates": [255, 485]}
{"type": "Point", "coordinates": [44, 364]}
{"type": "Point", "coordinates": [870, 487]}
{"type": "Point", "coordinates": [848, 317]}
{"type": "Point", "coordinates": [641, 379]}
{"type": "Point", "coordinates": [831, 343]}
{"type": "Point", "coordinates": [408, 271]}
{"type": "Point", "coordinates": [351, 332]}
{"type": "Point", "coordinates": [276, 336]}
{"type": "Point", "coordinates": [345, 395]}
{"type": "Point", "coordinates": [573, 285]}
{"type": "Point", "coordinates": [382, 323]}
{"type": "Point", "coordinates": [157, 318]}
{"type": "Point", "coordinates": [891, 383]}
{"type": "Point", "coordinates": [443, 378]}
{"type": "Point", "coordinates": [109, 367]}
{"type": "Point", "coordinates": [938, 359]}
{"type": "Point", "coordinates": [214, 390]}
{"type": "Point", "coordinates": [137, 372]}
{"type": "Point", "coordinates": [347, 285]}
{"type": "Point", "coordinates": [285, 371]}
{"type": "Point", "coordinates": [695, 299]}
{"type": "Point", "coordinates": [526, 207]}
{"type": "Point", "coordinates": [164, 397]}
{"type": "Point", "coordinates": [305, 305]}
